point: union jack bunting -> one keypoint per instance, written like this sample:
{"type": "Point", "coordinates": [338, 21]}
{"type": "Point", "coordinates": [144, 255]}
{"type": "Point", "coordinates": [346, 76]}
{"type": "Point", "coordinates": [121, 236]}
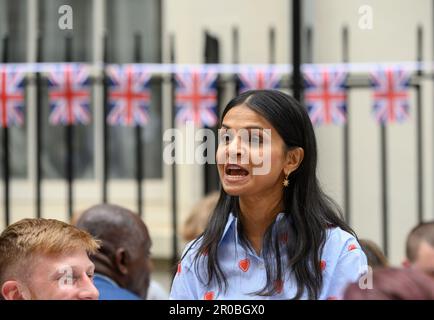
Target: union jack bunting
{"type": "Point", "coordinates": [196, 97]}
{"type": "Point", "coordinates": [258, 78]}
{"type": "Point", "coordinates": [129, 95]}
{"type": "Point", "coordinates": [69, 94]}
{"type": "Point", "coordinates": [11, 95]}
{"type": "Point", "coordinates": [325, 96]}
{"type": "Point", "coordinates": [390, 95]}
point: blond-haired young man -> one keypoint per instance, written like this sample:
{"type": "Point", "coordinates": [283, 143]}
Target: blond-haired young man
{"type": "Point", "coordinates": [46, 259]}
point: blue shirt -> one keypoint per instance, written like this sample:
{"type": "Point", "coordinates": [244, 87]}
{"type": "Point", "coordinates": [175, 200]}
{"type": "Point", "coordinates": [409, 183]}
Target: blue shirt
{"type": "Point", "coordinates": [342, 262]}
{"type": "Point", "coordinates": [109, 290]}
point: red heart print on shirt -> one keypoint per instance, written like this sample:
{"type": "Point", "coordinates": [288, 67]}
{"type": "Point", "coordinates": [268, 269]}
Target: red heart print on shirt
{"type": "Point", "coordinates": [352, 247]}
{"type": "Point", "coordinates": [323, 265]}
{"type": "Point", "coordinates": [208, 295]}
{"type": "Point", "coordinates": [244, 264]}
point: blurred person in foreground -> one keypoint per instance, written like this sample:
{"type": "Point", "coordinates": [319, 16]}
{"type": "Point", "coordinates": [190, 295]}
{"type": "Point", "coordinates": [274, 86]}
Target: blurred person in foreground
{"type": "Point", "coordinates": [420, 248]}
{"type": "Point", "coordinates": [123, 264]}
{"type": "Point", "coordinates": [393, 284]}
{"type": "Point", "coordinates": [44, 259]}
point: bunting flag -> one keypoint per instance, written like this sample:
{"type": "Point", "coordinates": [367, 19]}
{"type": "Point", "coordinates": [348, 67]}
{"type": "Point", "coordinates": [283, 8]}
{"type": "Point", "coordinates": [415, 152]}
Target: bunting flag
{"type": "Point", "coordinates": [258, 78]}
{"type": "Point", "coordinates": [325, 96]}
{"type": "Point", "coordinates": [196, 97]}
{"type": "Point", "coordinates": [129, 95]}
{"type": "Point", "coordinates": [390, 95]}
{"type": "Point", "coordinates": [69, 94]}
{"type": "Point", "coordinates": [11, 95]}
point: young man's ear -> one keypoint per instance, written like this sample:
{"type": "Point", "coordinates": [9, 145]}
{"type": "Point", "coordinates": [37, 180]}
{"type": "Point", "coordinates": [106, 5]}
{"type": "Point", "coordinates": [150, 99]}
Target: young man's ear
{"type": "Point", "coordinates": [10, 290]}
{"type": "Point", "coordinates": [294, 158]}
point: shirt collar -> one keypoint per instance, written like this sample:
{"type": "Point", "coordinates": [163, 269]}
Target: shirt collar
{"type": "Point", "coordinates": [233, 222]}
{"type": "Point", "coordinates": [230, 224]}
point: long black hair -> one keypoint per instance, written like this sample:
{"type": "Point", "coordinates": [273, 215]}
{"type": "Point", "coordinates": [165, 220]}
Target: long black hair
{"type": "Point", "coordinates": [308, 212]}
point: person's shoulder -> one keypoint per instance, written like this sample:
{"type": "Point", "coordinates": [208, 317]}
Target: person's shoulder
{"type": "Point", "coordinates": [117, 294]}
{"type": "Point", "coordinates": [191, 249]}
{"type": "Point", "coordinates": [338, 239]}
{"type": "Point", "coordinates": [337, 233]}
{"type": "Point", "coordinates": [109, 291]}
{"type": "Point", "coordinates": [343, 254]}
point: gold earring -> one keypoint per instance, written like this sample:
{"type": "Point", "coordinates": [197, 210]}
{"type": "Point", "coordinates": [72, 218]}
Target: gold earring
{"type": "Point", "coordinates": [286, 181]}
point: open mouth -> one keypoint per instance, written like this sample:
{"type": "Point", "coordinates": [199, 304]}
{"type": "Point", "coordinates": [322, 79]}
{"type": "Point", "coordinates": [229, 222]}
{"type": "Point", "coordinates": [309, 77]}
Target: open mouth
{"type": "Point", "coordinates": [235, 170]}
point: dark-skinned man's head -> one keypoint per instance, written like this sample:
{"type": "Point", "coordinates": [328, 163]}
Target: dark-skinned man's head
{"type": "Point", "coordinates": [125, 251]}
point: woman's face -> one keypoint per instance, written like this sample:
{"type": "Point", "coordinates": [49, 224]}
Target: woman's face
{"type": "Point", "coordinates": [251, 156]}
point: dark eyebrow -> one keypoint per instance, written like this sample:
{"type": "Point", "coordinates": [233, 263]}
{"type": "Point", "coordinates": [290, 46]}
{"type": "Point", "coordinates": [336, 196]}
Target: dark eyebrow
{"type": "Point", "coordinates": [249, 128]}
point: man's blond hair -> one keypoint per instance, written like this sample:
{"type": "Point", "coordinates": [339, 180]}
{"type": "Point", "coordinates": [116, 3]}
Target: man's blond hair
{"type": "Point", "coordinates": [25, 238]}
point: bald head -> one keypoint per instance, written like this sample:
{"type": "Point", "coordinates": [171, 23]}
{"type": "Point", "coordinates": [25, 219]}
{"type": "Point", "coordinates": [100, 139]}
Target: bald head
{"type": "Point", "coordinates": [114, 225]}
{"type": "Point", "coordinates": [125, 249]}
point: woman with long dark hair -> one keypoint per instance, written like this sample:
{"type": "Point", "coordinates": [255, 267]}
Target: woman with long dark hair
{"type": "Point", "coordinates": [274, 234]}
